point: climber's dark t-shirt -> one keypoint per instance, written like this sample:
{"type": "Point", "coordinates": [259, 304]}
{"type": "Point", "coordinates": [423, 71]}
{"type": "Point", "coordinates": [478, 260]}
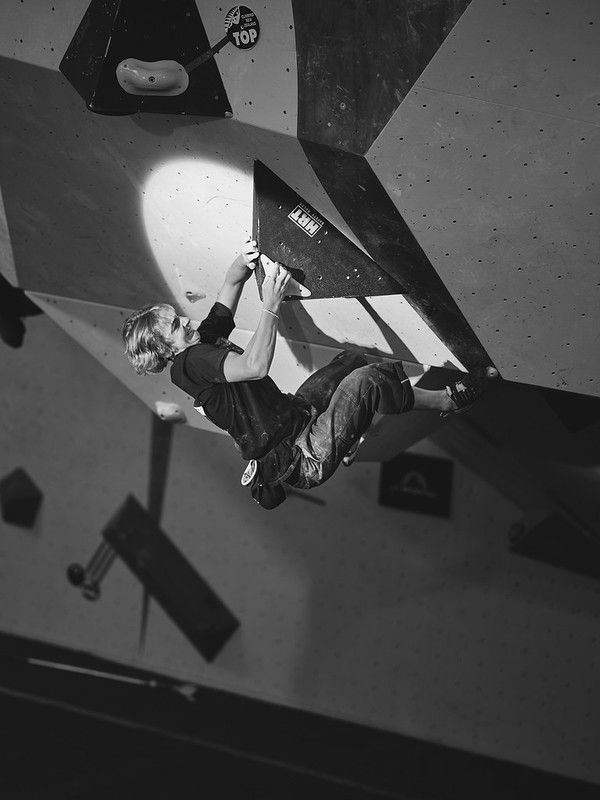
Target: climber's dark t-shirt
{"type": "Point", "coordinates": [255, 413]}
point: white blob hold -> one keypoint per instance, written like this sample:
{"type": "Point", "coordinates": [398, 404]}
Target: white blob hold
{"type": "Point", "coordinates": [170, 412]}
{"type": "Point", "coordinates": [193, 295]}
{"type": "Point", "coordinates": [164, 78]}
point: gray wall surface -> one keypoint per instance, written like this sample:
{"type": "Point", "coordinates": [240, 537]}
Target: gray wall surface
{"type": "Point", "coordinates": [420, 625]}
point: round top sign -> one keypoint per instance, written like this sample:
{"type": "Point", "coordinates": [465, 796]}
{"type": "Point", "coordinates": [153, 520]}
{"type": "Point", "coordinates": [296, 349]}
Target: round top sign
{"type": "Point", "coordinates": [241, 27]}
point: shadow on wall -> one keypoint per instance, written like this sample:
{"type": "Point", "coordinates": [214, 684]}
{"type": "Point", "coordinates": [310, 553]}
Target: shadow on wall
{"type": "Point", "coordinates": [378, 586]}
{"type": "Point", "coordinates": [14, 306]}
{"type": "Point", "coordinates": [71, 186]}
{"type": "Point", "coordinates": [295, 321]}
{"type": "Point", "coordinates": [395, 343]}
{"type": "Point", "coordinates": [532, 422]}
{"type": "Point", "coordinates": [164, 126]}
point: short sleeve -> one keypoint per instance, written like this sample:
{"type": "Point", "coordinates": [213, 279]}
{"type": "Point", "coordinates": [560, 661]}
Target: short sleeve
{"type": "Point", "coordinates": [219, 322]}
{"type": "Point", "coordinates": [204, 363]}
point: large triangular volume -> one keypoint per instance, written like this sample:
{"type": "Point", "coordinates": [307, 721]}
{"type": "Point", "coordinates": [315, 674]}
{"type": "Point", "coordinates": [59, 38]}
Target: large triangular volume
{"type": "Point", "coordinates": [146, 30]}
{"type": "Point", "coordinates": [289, 230]}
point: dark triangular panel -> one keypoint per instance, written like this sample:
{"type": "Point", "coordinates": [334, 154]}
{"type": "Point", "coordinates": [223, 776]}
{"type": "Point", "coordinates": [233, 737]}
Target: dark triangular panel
{"type": "Point", "coordinates": [367, 208]}
{"type": "Point", "coordinates": [291, 231]}
{"type": "Point", "coordinates": [517, 417]}
{"type": "Point", "coordinates": [14, 305]}
{"type": "Point", "coordinates": [83, 62]}
{"type": "Point", "coordinates": [559, 542]}
{"type": "Point", "coordinates": [358, 60]}
{"type": "Point", "coordinates": [147, 30]}
{"type": "Point", "coordinates": [576, 411]}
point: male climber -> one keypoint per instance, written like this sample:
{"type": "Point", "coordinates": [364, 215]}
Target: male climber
{"type": "Point", "coordinates": [298, 439]}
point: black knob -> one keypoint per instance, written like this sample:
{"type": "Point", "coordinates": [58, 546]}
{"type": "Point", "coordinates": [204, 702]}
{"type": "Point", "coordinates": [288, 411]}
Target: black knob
{"type": "Point", "coordinates": [75, 574]}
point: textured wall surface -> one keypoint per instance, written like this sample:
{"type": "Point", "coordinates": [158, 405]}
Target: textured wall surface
{"type": "Point", "coordinates": [424, 626]}
{"type": "Point", "coordinates": [493, 161]}
{"type": "Point", "coordinates": [7, 261]}
{"type": "Point", "coordinates": [489, 158]}
{"type": "Point", "coordinates": [125, 210]}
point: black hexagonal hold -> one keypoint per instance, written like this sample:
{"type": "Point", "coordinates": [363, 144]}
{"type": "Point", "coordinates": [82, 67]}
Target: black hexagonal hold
{"type": "Point", "coordinates": [20, 499]}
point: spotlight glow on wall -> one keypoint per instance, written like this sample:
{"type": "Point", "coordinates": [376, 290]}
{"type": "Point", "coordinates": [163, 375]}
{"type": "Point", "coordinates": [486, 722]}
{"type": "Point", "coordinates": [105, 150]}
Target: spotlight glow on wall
{"type": "Point", "coordinates": [196, 214]}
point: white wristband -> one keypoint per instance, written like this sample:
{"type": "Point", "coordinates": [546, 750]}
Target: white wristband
{"type": "Point", "coordinates": [271, 313]}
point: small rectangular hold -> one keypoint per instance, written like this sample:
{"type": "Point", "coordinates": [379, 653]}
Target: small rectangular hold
{"type": "Point", "coordinates": [170, 579]}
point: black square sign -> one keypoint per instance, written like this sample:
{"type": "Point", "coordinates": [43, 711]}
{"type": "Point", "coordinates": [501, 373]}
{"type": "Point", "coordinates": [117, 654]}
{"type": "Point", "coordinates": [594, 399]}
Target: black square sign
{"type": "Point", "coordinates": [417, 483]}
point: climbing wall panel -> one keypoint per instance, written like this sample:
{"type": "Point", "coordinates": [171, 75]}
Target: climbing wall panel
{"type": "Point", "coordinates": [97, 328]}
{"type": "Point", "coordinates": [504, 201]}
{"type": "Point", "coordinates": [139, 224]}
{"type": "Point", "coordinates": [141, 202]}
{"type": "Point", "coordinates": [454, 620]}
{"type": "Point", "coordinates": [539, 55]}
{"type": "Point", "coordinates": [39, 32]}
{"type": "Point", "coordinates": [356, 62]}
{"type": "Point", "coordinates": [7, 261]}
{"type": "Point", "coordinates": [73, 216]}
{"type": "Point", "coordinates": [386, 325]}
{"type": "Point", "coordinates": [261, 82]}
{"type": "Point", "coordinates": [395, 625]}
{"type": "Point", "coordinates": [359, 194]}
